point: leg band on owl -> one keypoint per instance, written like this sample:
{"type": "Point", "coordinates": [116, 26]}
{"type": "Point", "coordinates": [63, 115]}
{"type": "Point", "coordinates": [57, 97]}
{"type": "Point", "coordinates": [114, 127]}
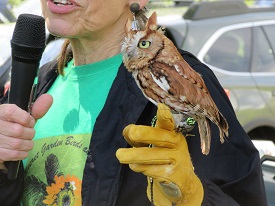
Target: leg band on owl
{"type": "Point", "coordinates": [135, 8]}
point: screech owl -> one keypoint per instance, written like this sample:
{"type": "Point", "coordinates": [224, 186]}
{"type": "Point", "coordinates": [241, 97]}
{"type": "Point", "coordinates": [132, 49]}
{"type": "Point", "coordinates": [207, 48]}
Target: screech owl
{"type": "Point", "coordinates": [164, 76]}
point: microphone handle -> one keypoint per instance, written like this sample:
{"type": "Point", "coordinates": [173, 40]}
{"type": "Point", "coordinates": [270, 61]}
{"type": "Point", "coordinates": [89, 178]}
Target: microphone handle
{"type": "Point", "coordinates": [22, 79]}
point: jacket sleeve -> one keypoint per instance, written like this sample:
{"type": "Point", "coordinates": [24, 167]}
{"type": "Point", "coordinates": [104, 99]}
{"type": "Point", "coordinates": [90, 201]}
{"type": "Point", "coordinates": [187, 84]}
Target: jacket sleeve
{"type": "Point", "coordinates": [247, 190]}
{"type": "Point", "coordinates": [231, 173]}
{"type": "Point", "coordinates": [11, 190]}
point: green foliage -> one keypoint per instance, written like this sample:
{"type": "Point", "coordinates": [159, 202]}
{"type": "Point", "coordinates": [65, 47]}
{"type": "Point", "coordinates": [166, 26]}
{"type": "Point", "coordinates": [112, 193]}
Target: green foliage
{"type": "Point", "coordinates": [249, 2]}
{"type": "Point", "coordinates": [15, 2]}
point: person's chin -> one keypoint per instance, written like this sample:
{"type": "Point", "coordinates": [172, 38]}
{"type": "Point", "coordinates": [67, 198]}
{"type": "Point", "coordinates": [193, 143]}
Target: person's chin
{"type": "Point", "coordinates": [60, 28]}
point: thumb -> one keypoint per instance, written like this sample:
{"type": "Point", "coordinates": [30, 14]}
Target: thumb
{"type": "Point", "coordinates": [165, 119]}
{"type": "Point", "coordinates": [41, 106]}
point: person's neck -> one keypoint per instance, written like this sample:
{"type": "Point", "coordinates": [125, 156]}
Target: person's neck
{"type": "Point", "coordinates": [87, 51]}
{"type": "Point", "coordinates": [99, 45]}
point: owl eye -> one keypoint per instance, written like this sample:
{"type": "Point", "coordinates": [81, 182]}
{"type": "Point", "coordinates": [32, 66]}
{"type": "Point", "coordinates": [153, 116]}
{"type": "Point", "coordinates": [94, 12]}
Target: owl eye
{"type": "Point", "coordinates": [144, 44]}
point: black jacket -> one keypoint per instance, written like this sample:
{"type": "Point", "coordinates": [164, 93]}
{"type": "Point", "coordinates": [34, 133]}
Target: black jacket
{"type": "Point", "coordinates": [231, 173]}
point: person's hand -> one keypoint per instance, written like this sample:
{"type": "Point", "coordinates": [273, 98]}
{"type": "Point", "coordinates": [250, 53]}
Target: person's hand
{"type": "Point", "coordinates": [167, 163]}
{"type": "Point", "coordinates": [17, 129]}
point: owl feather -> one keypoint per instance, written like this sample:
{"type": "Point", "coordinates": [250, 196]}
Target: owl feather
{"type": "Point", "coordinates": [165, 77]}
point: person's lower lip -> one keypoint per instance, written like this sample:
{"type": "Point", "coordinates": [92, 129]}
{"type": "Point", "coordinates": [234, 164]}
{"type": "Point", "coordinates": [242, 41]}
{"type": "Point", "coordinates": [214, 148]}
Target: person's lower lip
{"type": "Point", "coordinates": [60, 9]}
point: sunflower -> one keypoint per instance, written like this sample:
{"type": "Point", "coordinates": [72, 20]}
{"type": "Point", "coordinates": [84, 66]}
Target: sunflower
{"type": "Point", "coordinates": [65, 191]}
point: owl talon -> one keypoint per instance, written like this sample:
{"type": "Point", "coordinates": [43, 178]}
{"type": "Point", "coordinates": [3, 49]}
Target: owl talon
{"type": "Point", "coordinates": [183, 123]}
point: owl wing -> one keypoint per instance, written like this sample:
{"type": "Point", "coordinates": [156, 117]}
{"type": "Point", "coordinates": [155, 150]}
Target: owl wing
{"type": "Point", "coordinates": [184, 84]}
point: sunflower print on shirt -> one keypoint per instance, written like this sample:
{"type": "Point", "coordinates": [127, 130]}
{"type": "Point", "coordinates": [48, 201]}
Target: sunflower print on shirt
{"type": "Point", "coordinates": [60, 190]}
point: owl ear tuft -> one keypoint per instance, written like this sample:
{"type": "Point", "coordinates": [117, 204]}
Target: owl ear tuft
{"type": "Point", "coordinates": [152, 22]}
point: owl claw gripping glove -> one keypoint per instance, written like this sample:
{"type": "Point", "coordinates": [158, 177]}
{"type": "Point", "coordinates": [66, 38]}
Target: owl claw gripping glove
{"type": "Point", "coordinates": [167, 163]}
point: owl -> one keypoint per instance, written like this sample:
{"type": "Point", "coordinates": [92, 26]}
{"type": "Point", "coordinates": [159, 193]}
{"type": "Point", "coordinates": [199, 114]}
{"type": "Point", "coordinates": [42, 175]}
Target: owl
{"type": "Point", "coordinates": [165, 77]}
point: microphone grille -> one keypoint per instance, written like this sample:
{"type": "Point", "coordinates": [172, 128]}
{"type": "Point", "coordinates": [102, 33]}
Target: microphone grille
{"type": "Point", "coordinates": [28, 40]}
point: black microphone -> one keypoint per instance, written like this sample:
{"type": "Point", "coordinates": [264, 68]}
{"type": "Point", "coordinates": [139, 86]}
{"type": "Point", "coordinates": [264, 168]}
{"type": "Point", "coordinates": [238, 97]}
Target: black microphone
{"type": "Point", "coordinates": [27, 45]}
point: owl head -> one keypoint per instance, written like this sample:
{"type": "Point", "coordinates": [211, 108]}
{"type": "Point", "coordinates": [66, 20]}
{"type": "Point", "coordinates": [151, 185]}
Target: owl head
{"type": "Point", "coordinates": [141, 47]}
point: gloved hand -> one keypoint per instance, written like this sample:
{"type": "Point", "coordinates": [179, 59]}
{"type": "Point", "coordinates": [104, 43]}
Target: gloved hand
{"type": "Point", "coordinates": [167, 163]}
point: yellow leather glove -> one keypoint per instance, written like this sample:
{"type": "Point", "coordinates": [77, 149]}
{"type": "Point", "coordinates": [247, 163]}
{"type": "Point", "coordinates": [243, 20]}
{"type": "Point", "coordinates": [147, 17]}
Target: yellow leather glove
{"type": "Point", "coordinates": [167, 163]}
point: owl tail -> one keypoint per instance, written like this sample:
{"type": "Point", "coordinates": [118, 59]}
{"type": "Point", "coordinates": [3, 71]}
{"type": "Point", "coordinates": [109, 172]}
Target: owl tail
{"type": "Point", "coordinates": [205, 134]}
{"type": "Point", "coordinates": [223, 127]}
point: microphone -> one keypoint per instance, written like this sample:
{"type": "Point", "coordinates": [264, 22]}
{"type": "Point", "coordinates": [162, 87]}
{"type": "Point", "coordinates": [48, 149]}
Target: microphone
{"type": "Point", "coordinates": [27, 45]}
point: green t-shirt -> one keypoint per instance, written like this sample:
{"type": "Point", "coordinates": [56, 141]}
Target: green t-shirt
{"type": "Point", "coordinates": [54, 168]}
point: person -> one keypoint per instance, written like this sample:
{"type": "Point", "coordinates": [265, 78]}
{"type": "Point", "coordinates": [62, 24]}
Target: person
{"type": "Point", "coordinates": [86, 140]}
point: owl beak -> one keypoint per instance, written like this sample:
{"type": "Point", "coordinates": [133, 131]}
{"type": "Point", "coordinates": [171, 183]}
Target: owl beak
{"type": "Point", "coordinates": [126, 57]}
